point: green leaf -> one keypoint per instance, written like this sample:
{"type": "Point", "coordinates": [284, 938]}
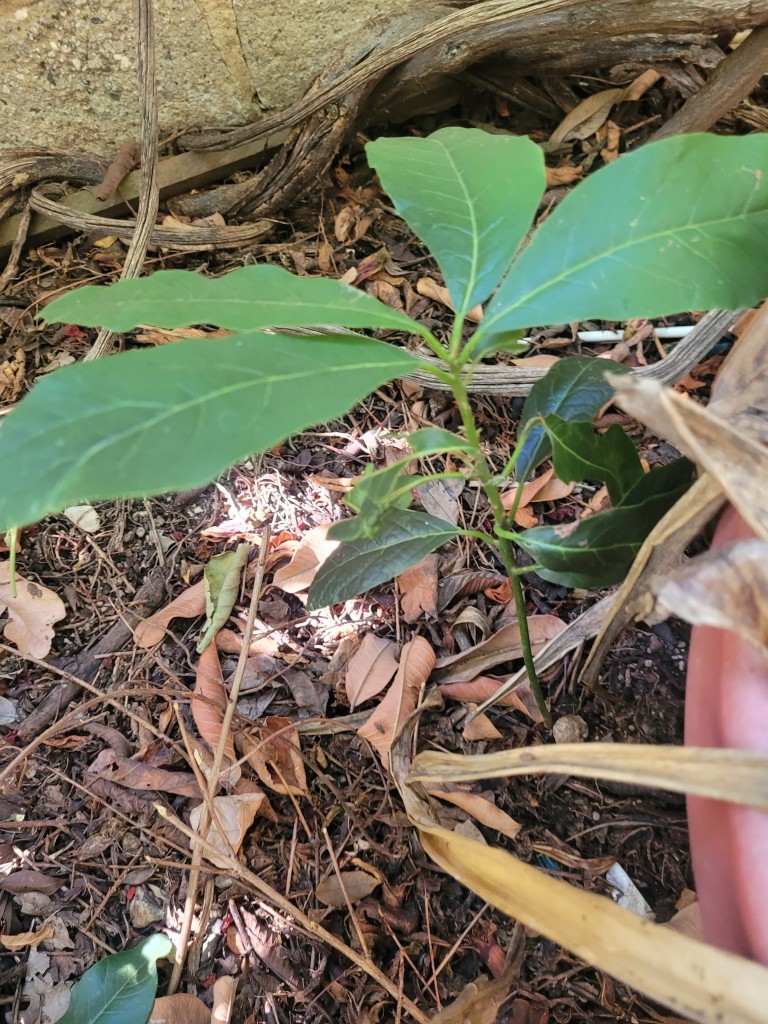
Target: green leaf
{"type": "Point", "coordinates": [404, 537]}
{"type": "Point", "coordinates": [436, 441]}
{"type": "Point", "coordinates": [580, 453]}
{"type": "Point", "coordinates": [677, 224]}
{"type": "Point", "coordinates": [174, 417]}
{"type": "Point", "coordinates": [575, 389]}
{"type": "Point", "coordinates": [242, 300]}
{"type": "Point", "coordinates": [120, 989]}
{"type": "Point", "coordinates": [599, 551]}
{"type": "Point", "coordinates": [469, 195]}
{"type": "Point", "coordinates": [222, 585]}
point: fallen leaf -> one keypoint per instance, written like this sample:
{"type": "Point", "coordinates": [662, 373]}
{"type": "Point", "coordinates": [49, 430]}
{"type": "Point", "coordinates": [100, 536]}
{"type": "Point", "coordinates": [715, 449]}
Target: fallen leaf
{"type": "Point", "coordinates": [24, 940]}
{"type": "Point", "coordinates": [179, 1009]}
{"type": "Point", "coordinates": [224, 990]}
{"type": "Point", "coordinates": [726, 588]}
{"type": "Point", "coordinates": [480, 689]}
{"type": "Point", "coordinates": [358, 885]}
{"type": "Point", "coordinates": [640, 85]}
{"type": "Point", "coordinates": [480, 807]}
{"type": "Point", "coordinates": [480, 728]}
{"type": "Point", "coordinates": [146, 777]}
{"type": "Point", "coordinates": [417, 660]}
{"type": "Point", "coordinates": [555, 177]}
{"type": "Point", "coordinates": [31, 613]}
{"type": "Point", "coordinates": [30, 880]}
{"type": "Point", "coordinates": [479, 1002]}
{"type": "Point", "coordinates": [310, 694]}
{"type": "Point", "coordinates": [430, 289]}
{"type": "Point", "coordinates": [503, 646]}
{"type": "Point", "coordinates": [222, 585]}
{"type": "Point", "coordinates": [585, 118]}
{"type": "Point", "coordinates": [314, 548]}
{"type": "Point", "coordinates": [274, 752]}
{"type": "Point", "coordinates": [84, 517]}
{"type": "Point", "coordinates": [418, 589]}
{"type": "Point", "coordinates": [236, 813]}
{"type": "Point", "coordinates": [440, 498]}
{"type": "Point", "coordinates": [209, 702]}
{"type": "Point", "coordinates": [188, 605]}
{"type": "Point", "coordinates": [610, 138]}
{"type": "Point", "coordinates": [370, 669]}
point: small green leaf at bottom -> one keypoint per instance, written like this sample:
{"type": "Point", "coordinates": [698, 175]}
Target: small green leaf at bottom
{"type": "Point", "coordinates": [599, 551]}
{"type": "Point", "coordinates": [404, 537]}
{"type": "Point", "coordinates": [120, 989]}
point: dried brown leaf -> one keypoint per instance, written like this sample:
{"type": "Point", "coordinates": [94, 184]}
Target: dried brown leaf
{"type": "Point", "coordinates": [30, 880]}
{"type": "Point", "coordinates": [314, 548]}
{"type": "Point", "coordinates": [31, 613]}
{"type": "Point", "coordinates": [179, 1009]}
{"type": "Point", "coordinates": [480, 807]}
{"type": "Point", "coordinates": [586, 117]}
{"type": "Point", "coordinates": [236, 813]}
{"type": "Point", "coordinates": [139, 775]}
{"type": "Point", "coordinates": [418, 589]}
{"type": "Point", "coordinates": [370, 669]}
{"type": "Point", "coordinates": [27, 940]}
{"type": "Point", "coordinates": [481, 688]}
{"type": "Point", "coordinates": [640, 85]}
{"type": "Point", "coordinates": [224, 990]}
{"type": "Point", "coordinates": [209, 701]}
{"type": "Point", "coordinates": [726, 588]}
{"type": "Point", "coordinates": [358, 885]}
{"type": "Point", "coordinates": [480, 728]}
{"type": "Point", "coordinates": [417, 660]}
{"type": "Point", "coordinates": [430, 289]}
{"type": "Point", "coordinates": [440, 498]}
{"type": "Point", "coordinates": [503, 646]}
{"type": "Point", "coordinates": [188, 605]}
{"type": "Point", "coordinates": [479, 1002]}
{"type": "Point", "coordinates": [463, 583]}
{"type": "Point", "coordinates": [274, 752]}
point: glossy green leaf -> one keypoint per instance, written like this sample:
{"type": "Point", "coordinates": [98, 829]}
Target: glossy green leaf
{"type": "Point", "coordinates": [355, 566]}
{"type": "Point", "coordinates": [469, 195]}
{"type": "Point", "coordinates": [242, 300]}
{"type": "Point", "coordinates": [599, 551]}
{"type": "Point", "coordinates": [575, 389]}
{"type": "Point", "coordinates": [174, 417]}
{"type": "Point", "coordinates": [121, 988]}
{"type": "Point", "coordinates": [677, 224]}
{"type": "Point", "coordinates": [580, 453]}
{"type": "Point", "coordinates": [436, 441]}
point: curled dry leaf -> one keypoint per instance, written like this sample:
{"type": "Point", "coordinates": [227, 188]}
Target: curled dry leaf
{"type": "Point", "coordinates": [236, 813]}
{"type": "Point", "coordinates": [27, 940]}
{"type": "Point", "coordinates": [209, 701]}
{"type": "Point", "coordinates": [430, 289]}
{"type": "Point", "coordinates": [313, 550]}
{"type": "Point", "coordinates": [503, 646]}
{"type": "Point", "coordinates": [31, 613]}
{"type": "Point", "coordinates": [479, 806]}
{"type": "Point", "coordinates": [480, 728]}
{"type": "Point", "coordinates": [585, 118]}
{"type": "Point", "coordinates": [546, 487]}
{"type": "Point", "coordinates": [274, 752]}
{"type": "Point", "coordinates": [416, 663]}
{"type": "Point", "coordinates": [358, 885]}
{"type": "Point", "coordinates": [418, 589]}
{"type": "Point", "coordinates": [224, 990]}
{"type": "Point", "coordinates": [726, 588]}
{"type": "Point", "coordinates": [179, 1009]}
{"type": "Point", "coordinates": [370, 669]}
{"type": "Point", "coordinates": [478, 1003]}
{"type": "Point", "coordinates": [482, 687]}
{"type": "Point", "coordinates": [188, 605]}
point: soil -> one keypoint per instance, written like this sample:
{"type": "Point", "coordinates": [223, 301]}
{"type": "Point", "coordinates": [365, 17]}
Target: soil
{"type": "Point", "coordinates": [122, 871]}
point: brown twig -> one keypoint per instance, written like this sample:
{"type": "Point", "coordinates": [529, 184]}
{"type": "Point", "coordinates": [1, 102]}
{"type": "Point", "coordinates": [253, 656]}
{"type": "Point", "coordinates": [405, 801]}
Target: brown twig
{"type": "Point", "coordinates": [149, 199]}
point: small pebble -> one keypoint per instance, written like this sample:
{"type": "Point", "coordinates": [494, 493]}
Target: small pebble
{"type": "Point", "coordinates": [570, 729]}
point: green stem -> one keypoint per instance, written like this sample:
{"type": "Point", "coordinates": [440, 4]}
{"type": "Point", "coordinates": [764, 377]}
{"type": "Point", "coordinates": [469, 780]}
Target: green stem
{"type": "Point", "coordinates": [501, 544]}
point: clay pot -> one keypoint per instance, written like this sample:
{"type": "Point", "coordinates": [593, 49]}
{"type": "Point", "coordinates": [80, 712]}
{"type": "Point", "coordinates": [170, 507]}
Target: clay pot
{"type": "Point", "coordinates": [726, 705]}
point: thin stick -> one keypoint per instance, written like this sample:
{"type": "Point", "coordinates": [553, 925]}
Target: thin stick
{"type": "Point", "coordinates": [149, 197]}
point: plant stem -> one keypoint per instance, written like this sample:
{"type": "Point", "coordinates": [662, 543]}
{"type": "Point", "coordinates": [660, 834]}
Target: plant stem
{"type": "Point", "coordinates": [501, 544]}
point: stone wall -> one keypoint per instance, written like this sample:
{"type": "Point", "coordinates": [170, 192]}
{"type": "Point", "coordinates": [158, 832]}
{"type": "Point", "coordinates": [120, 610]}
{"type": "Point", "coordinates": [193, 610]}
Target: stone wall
{"type": "Point", "coordinates": [68, 79]}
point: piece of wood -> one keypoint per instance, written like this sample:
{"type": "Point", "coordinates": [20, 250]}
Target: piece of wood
{"type": "Point", "coordinates": [176, 175]}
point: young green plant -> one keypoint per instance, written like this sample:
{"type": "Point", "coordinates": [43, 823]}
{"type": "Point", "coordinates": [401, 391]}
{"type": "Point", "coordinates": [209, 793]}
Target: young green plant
{"type": "Point", "coordinates": [676, 225]}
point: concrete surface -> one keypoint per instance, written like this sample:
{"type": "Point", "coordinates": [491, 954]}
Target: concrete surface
{"type": "Point", "coordinates": [68, 78]}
